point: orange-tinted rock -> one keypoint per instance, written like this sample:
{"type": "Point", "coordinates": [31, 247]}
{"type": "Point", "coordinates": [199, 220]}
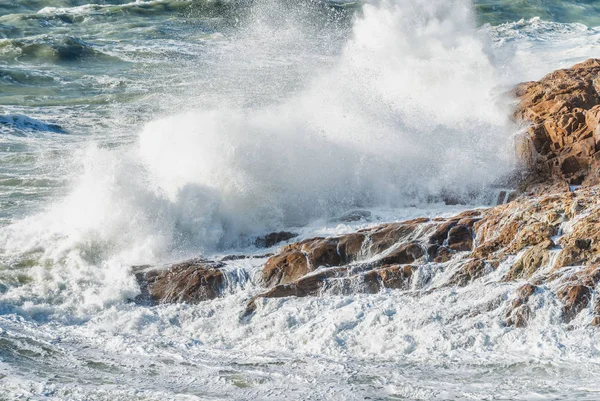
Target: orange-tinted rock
{"type": "Point", "coordinates": [386, 255]}
{"type": "Point", "coordinates": [395, 277]}
{"type": "Point", "coordinates": [525, 291]}
{"type": "Point", "coordinates": [406, 253]}
{"type": "Point", "coordinates": [439, 254]}
{"type": "Point", "coordinates": [285, 267]}
{"type": "Point", "coordinates": [467, 272]}
{"type": "Point", "coordinates": [323, 252]}
{"type": "Point", "coordinates": [533, 258]}
{"type": "Point", "coordinates": [385, 236]}
{"type": "Point", "coordinates": [339, 280]}
{"type": "Point", "coordinates": [575, 298]}
{"type": "Point", "coordinates": [563, 107]}
{"type": "Point", "coordinates": [300, 258]}
{"type": "Point", "coordinates": [190, 282]}
{"type": "Point", "coordinates": [520, 316]}
{"type": "Point", "coordinates": [460, 238]}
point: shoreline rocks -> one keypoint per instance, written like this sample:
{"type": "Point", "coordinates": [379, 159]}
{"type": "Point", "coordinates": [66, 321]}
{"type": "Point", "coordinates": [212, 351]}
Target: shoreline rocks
{"type": "Point", "coordinates": [192, 281]}
{"type": "Point", "coordinates": [563, 141]}
{"type": "Point", "coordinates": [547, 238]}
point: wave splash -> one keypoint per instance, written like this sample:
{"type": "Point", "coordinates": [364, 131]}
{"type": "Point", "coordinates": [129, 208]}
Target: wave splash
{"type": "Point", "coordinates": [409, 110]}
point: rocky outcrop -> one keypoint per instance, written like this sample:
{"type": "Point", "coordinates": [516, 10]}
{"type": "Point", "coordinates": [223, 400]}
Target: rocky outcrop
{"type": "Point", "coordinates": [544, 239]}
{"type": "Point", "coordinates": [543, 243]}
{"type": "Point", "coordinates": [190, 282]}
{"type": "Point", "coordinates": [563, 141]}
{"type": "Point", "coordinates": [519, 312]}
{"type": "Point", "coordinates": [386, 244]}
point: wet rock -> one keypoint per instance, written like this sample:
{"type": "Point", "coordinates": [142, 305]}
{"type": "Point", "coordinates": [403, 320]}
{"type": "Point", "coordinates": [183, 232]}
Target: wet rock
{"type": "Point", "coordinates": [228, 258]}
{"type": "Point", "coordinates": [468, 271]}
{"type": "Point", "coordinates": [300, 258]}
{"type": "Point", "coordinates": [340, 280]}
{"type": "Point", "coordinates": [439, 254]}
{"type": "Point", "coordinates": [571, 255]}
{"type": "Point", "coordinates": [460, 238]}
{"type": "Point", "coordinates": [440, 234]}
{"type": "Point", "coordinates": [564, 109]}
{"type": "Point", "coordinates": [387, 255]}
{"type": "Point", "coordinates": [575, 298]}
{"type": "Point", "coordinates": [519, 312]}
{"type": "Point", "coordinates": [531, 261]}
{"type": "Point", "coordinates": [387, 235]}
{"type": "Point", "coordinates": [324, 253]}
{"type": "Point", "coordinates": [393, 277]}
{"type": "Point", "coordinates": [520, 316]}
{"type": "Point", "coordinates": [525, 291]}
{"type": "Point", "coordinates": [285, 267]}
{"type": "Point", "coordinates": [404, 254]}
{"type": "Point", "coordinates": [190, 282]}
{"type": "Point", "coordinates": [272, 239]}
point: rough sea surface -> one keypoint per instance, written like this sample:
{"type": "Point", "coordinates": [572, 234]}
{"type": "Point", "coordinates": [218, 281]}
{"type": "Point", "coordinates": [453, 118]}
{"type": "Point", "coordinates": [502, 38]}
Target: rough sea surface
{"type": "Point", "coordinates": [146, 132]}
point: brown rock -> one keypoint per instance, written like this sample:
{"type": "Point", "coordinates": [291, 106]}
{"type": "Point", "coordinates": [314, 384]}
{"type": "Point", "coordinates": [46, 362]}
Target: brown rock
{"type": "Point", "coordinates": [439, 254]}
{"type": "Point", "coordinates": [440, 234]}
{"type": "Point", "coordinates": [298, 259]}
{"type": "Point", "coordinates": [468, 271]}
{"type": "Point", "coordinates": [394, 277]}
{"type": "Point", "coordinates": [406, 253]}
{"type": "Point", "coordinates": [323, 252]}
{"type": "Point", "coordinates": [532, 259]}
{"type": "Point", "coordinates": [520, 316]}
{"type": "Point", "coordinates": [563, 108]}
{"type": "Point", "coordinates": [191, 282]}
{"type": "Point", "coordinates": [285, 267]}
{"type": "Point", "coordinates": [525, 291]}
{"type": "Point", "coordinates": [339, 280]}
{"type": "Point", "coordinates": [383, 237]}
{"type": "Point", "coordinates": [575, 298]}
{"type": "Point", "coordinates": [460, 238]}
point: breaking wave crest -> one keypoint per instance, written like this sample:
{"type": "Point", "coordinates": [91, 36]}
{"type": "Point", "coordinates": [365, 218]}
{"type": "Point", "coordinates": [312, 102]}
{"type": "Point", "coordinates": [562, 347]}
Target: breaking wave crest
{"type": "Point", "coordinates": [410, 110]}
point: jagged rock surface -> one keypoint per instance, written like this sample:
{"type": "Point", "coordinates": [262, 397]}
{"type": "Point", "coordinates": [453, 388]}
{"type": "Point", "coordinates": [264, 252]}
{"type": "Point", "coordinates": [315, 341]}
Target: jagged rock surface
{"type": "Point", "coordinates": [563, 141]}
{"type": "Point", "coordinates": [190, 282]}
{"type": "Point", "coordinates": [552, 240]}
{"type": "Point", "coordinates": [547, 239]}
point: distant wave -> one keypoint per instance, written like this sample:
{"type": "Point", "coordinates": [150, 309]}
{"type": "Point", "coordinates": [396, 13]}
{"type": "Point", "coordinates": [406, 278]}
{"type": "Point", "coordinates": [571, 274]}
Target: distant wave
{"type": "Point", "coordinates": [23, 124]}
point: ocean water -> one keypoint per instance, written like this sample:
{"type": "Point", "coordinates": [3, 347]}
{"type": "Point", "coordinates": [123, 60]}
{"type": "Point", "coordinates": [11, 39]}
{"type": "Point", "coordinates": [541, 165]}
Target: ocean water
{"type": "Point", "coordinates": [147, 132]}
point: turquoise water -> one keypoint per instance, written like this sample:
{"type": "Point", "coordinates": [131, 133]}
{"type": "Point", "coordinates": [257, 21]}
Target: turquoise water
{"type": "Point", "coordinates": [146, 132]}
{"type": "Point", "coordinates": [574, 11]}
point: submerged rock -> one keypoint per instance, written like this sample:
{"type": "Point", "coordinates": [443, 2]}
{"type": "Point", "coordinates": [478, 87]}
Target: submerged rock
{"type": "Point", "coordinates": [519, 312]}
{"type": "Point", "coordinates": [272, 239]}
{"type": "Point", "coordinates": [355, 215]}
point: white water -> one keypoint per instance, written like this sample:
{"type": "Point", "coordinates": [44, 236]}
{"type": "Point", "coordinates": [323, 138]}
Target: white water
{"type": "Point", "coordinates": [413, 106]}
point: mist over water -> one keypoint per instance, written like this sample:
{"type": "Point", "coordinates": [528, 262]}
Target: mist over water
{"type": "Point", "coordinates": [411, 107]}
{"type": "Point", "coordinates": [152, 131]}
